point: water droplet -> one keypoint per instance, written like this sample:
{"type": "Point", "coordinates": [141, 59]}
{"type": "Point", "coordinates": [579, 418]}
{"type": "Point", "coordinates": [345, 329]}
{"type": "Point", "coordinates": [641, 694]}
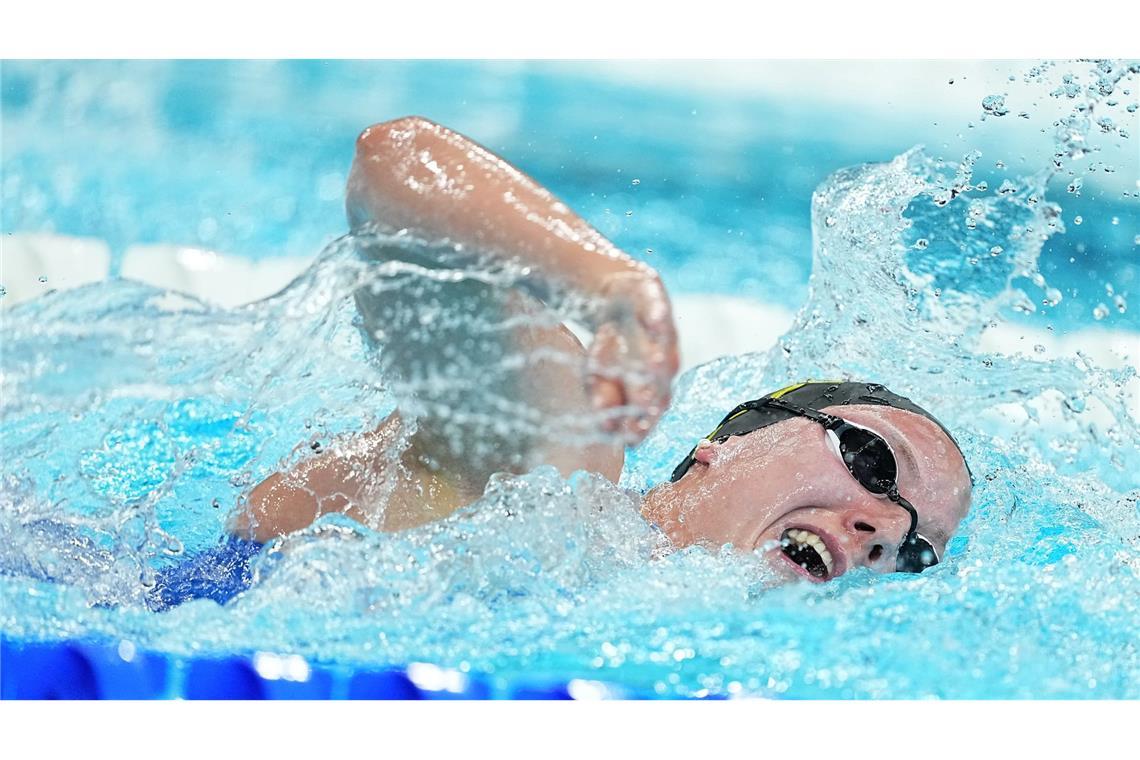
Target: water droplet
{"type": "Point", "coordinates": [829, 221]}
{"type": "Point", "coordinates": [1136, 240]}
{"type": "Point", "coordinates": [629, 213]}
{"type": "Point", "coordinates": [42, 278]}
{"type": "Point", "coordinates": [1075, 186]}
{"type": "Point", "coordinates": [635, 182]}
{"type": "Point", "coordinates": [1078, 219]}
{"type": "Point", "coordinates": [921, 243]}
{"type": "Point", "coordinates": [1052, 297]}
{"type": "Point", "coordinates": [996, 250]}
{"type": "Point", "coordinates": [999, 165]}
{"type": "Point", "coordinates": [3, 291]}
{"type": "Point", "coordinates": [1040, 349]}
{"type": "Point", "coordinates": [995, 105]}
{"type": "Point", "coordinates": [216, 504]}
{"type": "Point", "coordinates": [1115, 220]}
{"type": "Point", "coordinates": [1120, 304]}
{"type": "Point", "coordinates": [1100, 312]}
{"type": "Point", "coordinates": [649, 250]}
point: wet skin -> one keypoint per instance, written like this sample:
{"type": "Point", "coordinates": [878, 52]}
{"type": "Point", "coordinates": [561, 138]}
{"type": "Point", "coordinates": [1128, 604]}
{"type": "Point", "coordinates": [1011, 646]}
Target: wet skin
{"type": "Point", "coordinates": [748, 490]}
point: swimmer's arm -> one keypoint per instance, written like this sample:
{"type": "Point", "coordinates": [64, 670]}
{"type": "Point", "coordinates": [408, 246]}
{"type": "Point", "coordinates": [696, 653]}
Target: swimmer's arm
{"type": "Point", "coordinates": [290, 500]}
{"type": "Point", "coordinates": [412, 173]}
{"type": "Point", "coordinates": [352, 474]}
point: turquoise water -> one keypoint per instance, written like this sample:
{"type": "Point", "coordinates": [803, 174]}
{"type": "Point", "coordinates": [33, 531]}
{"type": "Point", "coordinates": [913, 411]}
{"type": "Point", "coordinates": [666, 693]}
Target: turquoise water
{"type": "Point", "coordinates": [134, 420]}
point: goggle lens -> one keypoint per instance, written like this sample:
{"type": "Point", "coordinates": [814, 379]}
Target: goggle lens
{"type": "Point", "coordinates": [915, 555]}
{"type": "Point", "coordinates": [869, 459]}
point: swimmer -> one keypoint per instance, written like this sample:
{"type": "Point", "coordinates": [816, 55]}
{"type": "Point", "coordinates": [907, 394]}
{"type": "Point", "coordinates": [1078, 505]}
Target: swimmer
{"type": "Point", "coordinates": [824, 477]}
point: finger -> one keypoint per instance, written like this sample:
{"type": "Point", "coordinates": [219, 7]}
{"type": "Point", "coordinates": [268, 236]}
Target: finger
{"type": "Point", "coordinates": [606, 393]}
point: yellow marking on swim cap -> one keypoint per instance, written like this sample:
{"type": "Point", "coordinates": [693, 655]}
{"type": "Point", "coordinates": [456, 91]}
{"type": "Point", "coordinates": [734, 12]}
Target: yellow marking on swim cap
{"type": "Point", "coordinates": [777, 394]}
{"type": "Point", "coordinates": [788, 389]}
{"type": "Point", "coordinates": [797, 386]}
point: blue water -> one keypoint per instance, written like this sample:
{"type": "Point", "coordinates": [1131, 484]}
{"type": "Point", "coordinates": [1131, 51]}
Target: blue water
{"type": "Point", "coordinates": [250, 159]}
{"type": "Point", "coordinates": [134, 421]}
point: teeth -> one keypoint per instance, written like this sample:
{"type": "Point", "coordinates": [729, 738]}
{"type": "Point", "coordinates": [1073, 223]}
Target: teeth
{"type": "Point", "coordinates": [811, 539]}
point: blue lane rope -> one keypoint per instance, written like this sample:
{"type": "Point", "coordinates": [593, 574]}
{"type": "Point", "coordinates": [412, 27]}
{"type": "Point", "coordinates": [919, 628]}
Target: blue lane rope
{"type": "Point", "coordinates": [79, 670]}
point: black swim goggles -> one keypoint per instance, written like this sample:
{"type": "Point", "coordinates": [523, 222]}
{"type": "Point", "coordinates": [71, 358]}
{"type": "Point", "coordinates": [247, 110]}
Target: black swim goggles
{"type": "Point", "coordinates": [869, 459]}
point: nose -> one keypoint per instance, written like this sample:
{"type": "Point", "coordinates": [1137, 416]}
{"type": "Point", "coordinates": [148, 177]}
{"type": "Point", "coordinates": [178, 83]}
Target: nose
{"type": "Point", "coordinates": [875, 533]}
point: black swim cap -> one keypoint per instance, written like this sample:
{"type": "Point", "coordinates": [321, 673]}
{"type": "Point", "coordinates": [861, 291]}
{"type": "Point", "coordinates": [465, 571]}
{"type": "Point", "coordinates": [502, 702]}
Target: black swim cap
{"type": "Point", "coordinates": [812, 395]}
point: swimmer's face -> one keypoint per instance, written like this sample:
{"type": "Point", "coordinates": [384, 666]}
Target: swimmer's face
{"type": "Point", "coordinates": [750, 490]}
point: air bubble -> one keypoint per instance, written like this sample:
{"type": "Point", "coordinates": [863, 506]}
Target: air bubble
{"type": "Point", "coordinates": [829, 221]}
{"type": "Point", "coordinates": [1040, 349]}
{"type": "Point", "coordinates": [1078, 219]}
{"type": "Point", "coordinates": [995, 105]}
{"type": "Point", "coordinates": [1052, 297]}
{"type": "Point", "coordinates": [996, 250]}
{"type": "Point", "coordinates": [921, 243]}
{"type": "Point", "coordinates": [635, 182]}
{"type": "Point", "coordinates": [42, 278]}
{"type": "Point", "coordinates": [1100, 312]}
{"type": "Point", "coordinates": [1120, 304]}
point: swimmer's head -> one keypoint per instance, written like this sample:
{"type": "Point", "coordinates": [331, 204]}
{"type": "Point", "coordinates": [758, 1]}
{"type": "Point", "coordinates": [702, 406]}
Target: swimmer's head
{"type": "Point", "coordinates": [775, 479]}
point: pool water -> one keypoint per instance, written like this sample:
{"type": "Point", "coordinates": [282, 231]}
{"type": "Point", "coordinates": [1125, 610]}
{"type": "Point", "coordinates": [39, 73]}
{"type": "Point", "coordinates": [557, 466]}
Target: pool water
{"type": "Point", "coordinates": [135, 419]}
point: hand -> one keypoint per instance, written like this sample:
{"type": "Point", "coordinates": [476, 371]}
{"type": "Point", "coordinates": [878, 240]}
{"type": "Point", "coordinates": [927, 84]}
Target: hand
{"type": "Point", "coordinates": [634, 356]}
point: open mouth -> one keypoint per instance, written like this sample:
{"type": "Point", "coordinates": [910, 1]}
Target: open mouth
{"type": "Point", "coordinates": [807, 550]}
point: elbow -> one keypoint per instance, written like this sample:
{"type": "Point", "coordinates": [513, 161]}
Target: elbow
{"type": "Point", "coordinates": [379, 174]}
{"type": "Point", "coordinates": [383, 138]}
